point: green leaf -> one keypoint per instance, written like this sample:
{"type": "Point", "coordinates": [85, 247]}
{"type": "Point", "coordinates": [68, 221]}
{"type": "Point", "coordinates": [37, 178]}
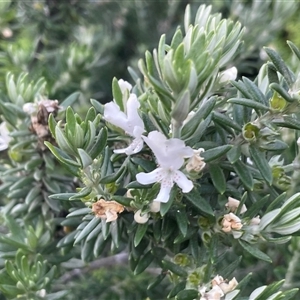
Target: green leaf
{"type": "Point", "coordinates": [276, 203]}
{"type": "Point", "coordinates": [249, 103]}
{"type": "Point", "coordinates": [63, 141]}
{"type": "Point", "coordinates": [143, 263]}
{"type": "Point", "coordinates": [117, 93]}
{"type": "Point", "coordinates": [295, 49]}
{"type": "Point", "coordinates": [98, 106]}
{"type": "Point", "coordinates": [182, 221]}
{"type": "Point", "coordinates": [261, 163]}
{"type": "Point", "coordinates": [70, 100]}
{"type": "Point", "coordinates": [71, 121]}
{"type": "Point", "coordinates": [289, 295]}
{"type": "Point", "coordinates": [272, 73]}
{"type": "Point", "coordinates": [84, 192]}
{"type": "Point", "coordinates": [122, 200]}
{"type": "Point", "coordinates": [187, 294]}
{"type": "Point", "coordinates": [85, 159]}
{"type": "Point", "coordinates": [115, 176]}
{"type": "Point", "coordinates": [218, 178]}
{"type": "Point", "coordinates": [281, 91]}
{"type": "Point", "coordinates": [202, 113]}
{"type": "Point", "coordinates": [229, 269]}
{"type": "Point", "coordinates": [254, 251]}
{"type": "Point", "coordinates": [52, 124]}
{"type": "Point", "coordinates": [224, 120]}
{"type": "Point", "coordinates": [157, 281]}
{"type": "Point", "coordinates": [255, 207]}
{"type": "Point", "coordinates": [174, 268]}
{"type": "Point", "coordinates": [255, 92]}
{"type": "Point", "coordinates": [176, 289]}
{"type": "Point", "coordinates": [139, 234]}
{"type": "Point", "coordinates": [87, 229]}
{"type": "Point", "coordinates": [215, 153]}
{"type": "Point", "coordinates": [147, 165]}
{"type": "Point", "coordinates": [268, 218]}
{"type": "Point", "coordinates": [62, 196]}
{"type": "Point", "coordinates": [280, 65]}
{"type": "Point", "coordinates": [244, 174]}
{"type": "Point", "coordinates": [199, 202]}
{"type": "Point", "coordinates": [79, 212]}
{"type": "Point", "coordinates": [276, 145]}
{"type": "Point", "coordinates": [234, 154]}
{"type": "Point", "coordinates": [99, 144]}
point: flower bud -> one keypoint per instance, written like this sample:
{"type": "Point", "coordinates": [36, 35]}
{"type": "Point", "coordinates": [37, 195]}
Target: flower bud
{"type": "Point", "coordinates": [233, 205]}
{"type": "Point", "coordinates": [277, 102]}
{"type": "Point", "coordinates": [250, 132]}
{"type": "Point", "coordinates": [124, 85]}
{"type": "Point", "coordinates": [141, 218]}
{"type": "Point", "coordinates": [227, 75]}
{"type": "Point", "coordinates": [154, 206]}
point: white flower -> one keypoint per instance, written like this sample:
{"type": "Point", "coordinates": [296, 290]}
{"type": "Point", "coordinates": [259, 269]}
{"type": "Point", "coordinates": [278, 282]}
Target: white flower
{"type": "Point", "coordinates": [124, 85]}
{"type": "Point", "coordinates": [227, 75]}
{"type": "Point", "coordinates": [233, 205]}
{"type": "Point", "coordinates": [4, 136]}
{"type": "Point", "coordinates": [131, 123]}
{"type": "Point", "coordinates": [170, 154]}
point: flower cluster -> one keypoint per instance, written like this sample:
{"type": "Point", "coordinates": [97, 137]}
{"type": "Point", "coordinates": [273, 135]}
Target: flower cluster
{"type": "Point", "coordinates": [170, 153]}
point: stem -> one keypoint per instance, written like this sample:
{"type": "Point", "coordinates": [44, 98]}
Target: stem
{"type": "Point", "coordinates": [176, 129]}
{"type": "Point", "coordinates": [291, 269]}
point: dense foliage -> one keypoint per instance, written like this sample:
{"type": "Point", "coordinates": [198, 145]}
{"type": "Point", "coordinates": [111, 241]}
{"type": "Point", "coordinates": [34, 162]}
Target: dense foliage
{"type": "Point", "coordinates": [190, 172]}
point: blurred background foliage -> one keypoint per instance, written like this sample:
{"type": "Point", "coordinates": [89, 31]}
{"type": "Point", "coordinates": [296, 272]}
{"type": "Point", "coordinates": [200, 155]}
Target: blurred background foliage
{"type": "Point", "coordinates": [81, 45]}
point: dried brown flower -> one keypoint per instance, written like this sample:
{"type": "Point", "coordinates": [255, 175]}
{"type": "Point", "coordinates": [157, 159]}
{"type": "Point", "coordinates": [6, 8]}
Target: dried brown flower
{"type": "Point", "coordinates": [107, 209]}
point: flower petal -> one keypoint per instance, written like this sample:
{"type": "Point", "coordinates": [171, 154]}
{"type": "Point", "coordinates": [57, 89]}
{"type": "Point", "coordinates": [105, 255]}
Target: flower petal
{"type": "Point", "coordinates": [124, 85]}
{"type": "Point", "coordinates": [164, 194]}
{"type": "Point", "coordinates": [147, 178]}
{"type": "Point", "coordinates": [135, 147]}
{"type": "Point", "coordinates": [156, 141]}
{"type": "Point", "coordinates": [183, 182]}
{"type": "Point", "coordinates": [115, 116]}
{"type": "Point", "coordinates": [134, 118]}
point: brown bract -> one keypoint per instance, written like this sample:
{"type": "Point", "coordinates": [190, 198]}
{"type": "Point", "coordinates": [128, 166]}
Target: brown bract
{"type": "Point", "coordinates": [107, 209]}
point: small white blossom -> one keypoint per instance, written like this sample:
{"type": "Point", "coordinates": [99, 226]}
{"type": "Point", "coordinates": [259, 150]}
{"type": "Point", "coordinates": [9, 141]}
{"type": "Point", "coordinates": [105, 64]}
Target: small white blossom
{"type": "Point", "coordinates": [227, 75]}
{"type": "Point", "coordinates": [131, 123]}
{"type": "Point", "coordinates": [4, 136]}
{"type": "Point", "coordinates": [233, 205]}
{"type": "Point", "coordinates": [170, 154]}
